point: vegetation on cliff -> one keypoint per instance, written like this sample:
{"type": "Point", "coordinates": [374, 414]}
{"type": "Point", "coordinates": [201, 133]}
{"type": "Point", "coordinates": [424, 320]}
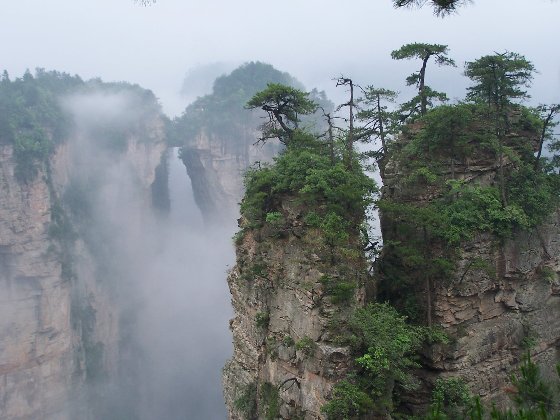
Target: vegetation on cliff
{"type": "Point", "coordinates": [222, 113]}
{"type": "Point", "coordinates": [457, 172]}
{"type": "Point", "coordinates": [434, 207]}
{"type": "Point", "coordinates": [34, 120]}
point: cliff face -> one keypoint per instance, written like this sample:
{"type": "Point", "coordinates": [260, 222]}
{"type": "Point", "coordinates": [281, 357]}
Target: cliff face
{"type": "Point", "coordinates": [500, 294]}
{"type": "Point", "coordinates": [59, 323]}
{"type": "Point", "coordinates": [493, 316]}
{"type": "Point", "coordinates": [286, 359]}
{"type": "Point", "coordinates": [37, 341]}
{"type": "Point", "coordinates": [216, 164]}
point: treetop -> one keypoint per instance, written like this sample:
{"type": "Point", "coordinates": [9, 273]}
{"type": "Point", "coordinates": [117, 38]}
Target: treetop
{"type": "Point", "coordinates": [423, 51]}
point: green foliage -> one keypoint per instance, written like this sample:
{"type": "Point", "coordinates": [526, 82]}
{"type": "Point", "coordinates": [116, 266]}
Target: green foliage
{"type": "Point", "coordinates": [222, 112]}
{"type": "Point", "coordinates": [31, 117]}
{"type": "Point", "coordinates": [451, 399]}
{"type": "Point", "coordinates": [499, 78]}
{"type": "Point", "coordinates": [262, 319]}
{"type": "Point", "coordinates": [423, 51]}
{"type": "Point", "coordinates": [335, 229]}
{"type": "Point", "coordinates": [435, 335]}
{"type": "Point", "coordinates": [449, 135]}
{"type": "Point", "coordinates": [340, 291]}
{"type": "Point", "coordinates": [274, 217]}
{"type": "Point", "coordinates": [284, 105]}
{"type": "Point", "coordinates": [536, 193]}
{"type": "Point", "coordinates": [440, 7]}
{"type": "Point", "coordinates": [426, 95]}
{"type": "Point", "coordinates": [305, 169]}
{"type": "Point", "coordinates": [312, 219]}
{"type": "Point", "coordinates": [446, 128]}
{"type": "Point", "coordinates": [306, 345]}
{"type": "Point", "coordinates": [348, 401]}
{"type": "Point", "coordinates": [378, 123]}
{"type": "Point", "coordinates": [477, 208]}
{"type": "Point", "coordinates": [288, 341]}
{"type": "Point", "coordinates": [547, 274]}
{"type": "Point", "coordinates": [270, 397]}
{"type": "Point", "coordinates": [388, 345]}
{"type": "Point", "coordinates": [62, 233]}
{"type": "Point", "coordinates": [533, 393]}
{"type": "Point", "coordinates": [33, 120]}
{"type": "Point", "coordinates": [259, 269]}
{"type": "Point", "coordinates": [246, 403]}
{"type": "Point", "coordinates": [534, 398]}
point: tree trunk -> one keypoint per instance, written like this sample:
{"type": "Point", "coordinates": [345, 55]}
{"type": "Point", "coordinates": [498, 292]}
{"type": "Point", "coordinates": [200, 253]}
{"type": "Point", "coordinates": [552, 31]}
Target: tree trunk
{"type": "Point", "coordinates": [546, 123]}
{"type": "Point", "coordinates": [350, 141]}
{"type": "Point", "coordinates": [421, 86]}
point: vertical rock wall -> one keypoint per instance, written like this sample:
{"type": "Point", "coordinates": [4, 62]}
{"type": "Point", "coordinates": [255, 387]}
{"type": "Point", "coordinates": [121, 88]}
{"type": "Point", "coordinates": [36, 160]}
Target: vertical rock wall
{"type": "Point", "coordinates": [37, 341]}
{"type": "Point", "coordinates": [59, 318]}
{"type": "Point", "coordinates": [501, 293]}
{"type": "Point", "coordinates": [285, 359]}
{"type": "Point", "coordinates": [216, 166]}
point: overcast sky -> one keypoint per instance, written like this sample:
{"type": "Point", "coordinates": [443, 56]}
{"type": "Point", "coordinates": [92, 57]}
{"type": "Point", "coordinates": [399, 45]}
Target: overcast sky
{"type": "Point", "coordinates": [314, 40]}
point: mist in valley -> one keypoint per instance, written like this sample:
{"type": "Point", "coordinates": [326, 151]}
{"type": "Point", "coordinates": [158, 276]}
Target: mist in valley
{"type": "Point", "coordinates": [164, 267]}
{"type": "Point", "coordinates": [141, 233]}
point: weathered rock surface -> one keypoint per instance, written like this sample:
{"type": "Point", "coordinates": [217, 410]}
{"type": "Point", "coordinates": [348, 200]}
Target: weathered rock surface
{"type": "Point", "coordinates": [491, 316]}
{"type": "Point", "coordinates": [216, 166]}
{"type": "Point", "coordinates": [36, 337]}
{"type": "Point", "coordinates": [58, 322]}
{"type": "Point", "coordinates": [281, 328]}
{"type": "Point", "coordinates": [500, 294]}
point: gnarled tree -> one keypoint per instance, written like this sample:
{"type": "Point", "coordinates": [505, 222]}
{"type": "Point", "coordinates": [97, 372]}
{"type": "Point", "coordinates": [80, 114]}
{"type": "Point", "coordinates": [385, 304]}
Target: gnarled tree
{"type": "Point", "coordinates": [284, 105]}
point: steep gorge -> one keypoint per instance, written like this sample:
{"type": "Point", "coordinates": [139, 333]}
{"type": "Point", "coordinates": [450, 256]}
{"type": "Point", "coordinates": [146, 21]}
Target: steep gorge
{"type": "Point", "coordinates": [61, 327]}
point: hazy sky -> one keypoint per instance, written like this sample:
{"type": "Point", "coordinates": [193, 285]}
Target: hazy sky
{"type": "Point", "coordinates": [314, 40]}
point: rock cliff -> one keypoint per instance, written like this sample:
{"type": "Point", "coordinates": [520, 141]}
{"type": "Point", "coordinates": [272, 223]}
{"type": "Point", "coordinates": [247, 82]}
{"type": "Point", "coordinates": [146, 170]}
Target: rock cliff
{"type": "Point", "coordinates": [37, 341]}
{"type": "Point", "coordinates": [216, 163]}
{"type": "Point", "coordinates": [501, 294]}
{"type": "Point", "coordinates": [219, 137]}
{"type": "Point", "coordinates": [286, 359]}
{"type": "Point", "coordinates": [60, 321]}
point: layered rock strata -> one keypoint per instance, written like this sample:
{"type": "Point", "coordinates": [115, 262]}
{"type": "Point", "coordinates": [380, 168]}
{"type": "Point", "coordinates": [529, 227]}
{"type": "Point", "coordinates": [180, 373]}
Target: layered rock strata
{"type": "Point", "coordinates": [501, 294]}
{"type": "Point", "coordinates": [286, 359]}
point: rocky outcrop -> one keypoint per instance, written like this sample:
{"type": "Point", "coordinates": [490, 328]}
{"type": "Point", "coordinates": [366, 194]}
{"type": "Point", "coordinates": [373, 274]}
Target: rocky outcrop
{"type": "Point", "coordinates": [286, 357]}
{"type": "Point", "coordinates": [59, 318]}
{"type": "Point", "coordinates": [37, 341]}
{"type": "Point", "coordinates": [494, 316]}
{"type": "Point", "coordinates": [216, 165]}
{"type": "Point", "coordinates": [500, 295]}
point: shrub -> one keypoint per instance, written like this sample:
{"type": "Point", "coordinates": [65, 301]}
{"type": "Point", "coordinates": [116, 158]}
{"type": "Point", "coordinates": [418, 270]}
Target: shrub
{"type": "Point", "coordinates": [340, 291]}
{"type": "Point", "coordinates": [288, 341]}
{"type": "Point", "coordinates": [306, 345]}
{"type": "Point", "coordinates": [247, 401]}
{"type": "Point", "coordinates": [262, 319]}
{"type": "Point", "coordinates": [348, 401]}
{"type": "Point", "coordinates": [451, 399]}
{"type": "Point", "coordinates": [388, 346]}
{"type": "Point", "coordinates": [271, 401]}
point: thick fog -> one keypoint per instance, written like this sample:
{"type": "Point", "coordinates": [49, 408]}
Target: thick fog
{"type": "Point", "coordinates": [314, 40]}
{"type": "Point", "coordinates": [170, 271]}
{"type": "Point", "coordinates": [186, 309]}
{"type": "Point", "coordinates": [167, 271]}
